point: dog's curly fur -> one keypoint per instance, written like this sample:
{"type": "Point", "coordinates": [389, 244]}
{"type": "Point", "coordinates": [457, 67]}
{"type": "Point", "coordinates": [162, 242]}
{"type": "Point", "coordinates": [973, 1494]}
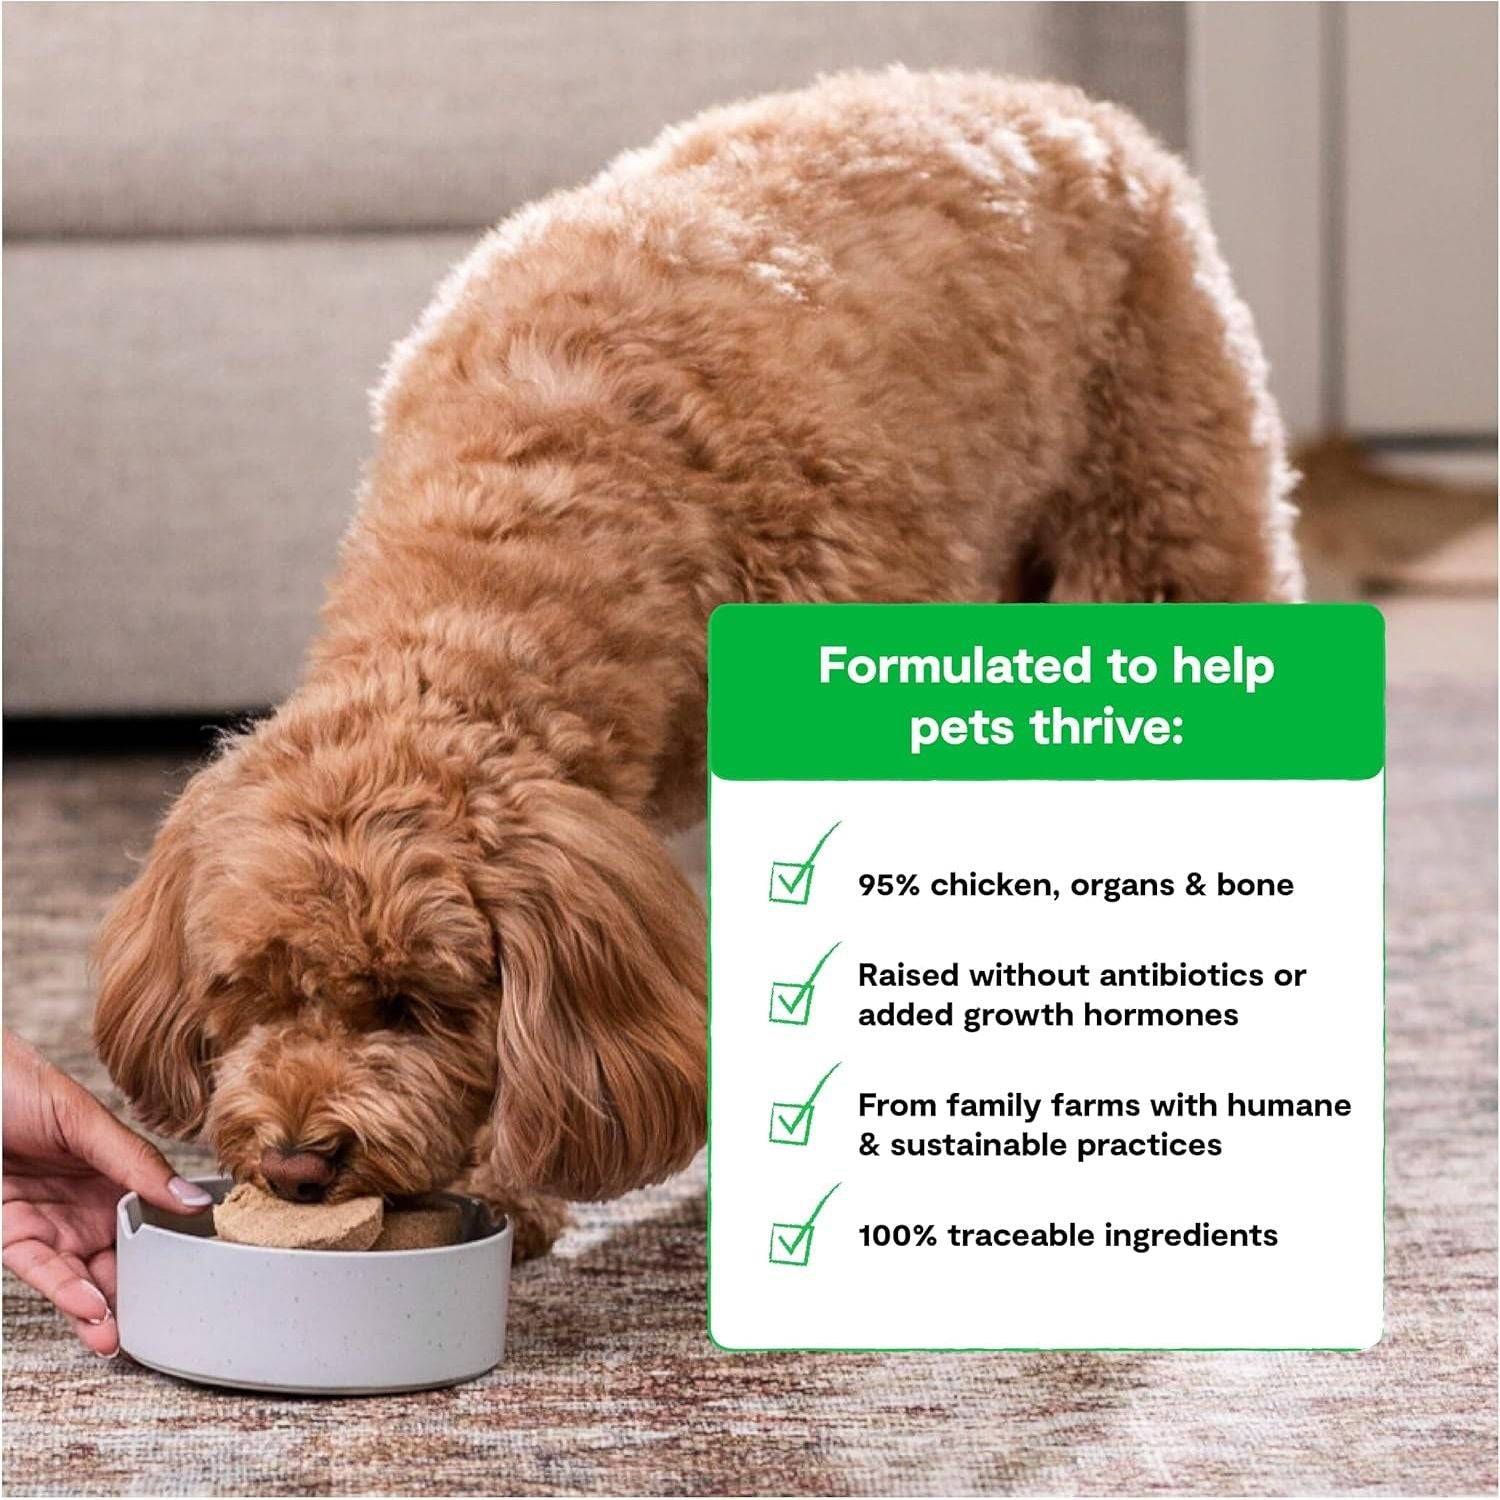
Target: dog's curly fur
{"type": "Point", "coordinates": [908, 337]}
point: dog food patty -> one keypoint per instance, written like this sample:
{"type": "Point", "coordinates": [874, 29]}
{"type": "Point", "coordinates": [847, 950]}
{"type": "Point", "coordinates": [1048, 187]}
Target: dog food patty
{"type": "Point", "coordinates": [252, 1216]}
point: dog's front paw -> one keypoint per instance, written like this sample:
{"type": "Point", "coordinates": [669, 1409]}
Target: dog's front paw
{"type": "Point", "coordinates": [536, 1219]}
{"type": "Point", "coordinates": [537, 1223]}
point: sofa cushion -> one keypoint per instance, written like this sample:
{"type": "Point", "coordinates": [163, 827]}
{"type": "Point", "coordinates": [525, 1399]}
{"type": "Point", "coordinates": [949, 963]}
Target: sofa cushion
{"type": "Point", "coordinates": [184, 427]}
{"type": "Point", "coordinates": [155, 119]}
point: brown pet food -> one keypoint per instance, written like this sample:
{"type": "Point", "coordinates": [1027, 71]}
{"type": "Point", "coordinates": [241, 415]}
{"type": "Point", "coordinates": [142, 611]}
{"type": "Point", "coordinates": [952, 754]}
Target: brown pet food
{"type": "Point", "coordinates": [251, 1216]}
{"type": "Point", "coordinates": [422, 1228]}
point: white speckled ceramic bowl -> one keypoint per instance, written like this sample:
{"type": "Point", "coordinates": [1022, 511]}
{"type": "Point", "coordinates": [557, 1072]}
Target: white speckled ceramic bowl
{"type": "Point", "coordinates": [312, 1322]}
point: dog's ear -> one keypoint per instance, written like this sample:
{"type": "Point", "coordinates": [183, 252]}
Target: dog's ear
{"type": "Point", "coordinates": [602, 1030]}
{"type": "Point", "coordinates": [148, 1024]}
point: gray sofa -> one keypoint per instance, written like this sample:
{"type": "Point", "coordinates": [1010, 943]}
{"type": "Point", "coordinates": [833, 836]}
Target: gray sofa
{"type": "Point", "coordinates": [218, 218]}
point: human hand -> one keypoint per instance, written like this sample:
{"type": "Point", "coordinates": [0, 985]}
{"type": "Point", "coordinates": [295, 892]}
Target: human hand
{"type": "Point", "coordinates": [67, 1163]}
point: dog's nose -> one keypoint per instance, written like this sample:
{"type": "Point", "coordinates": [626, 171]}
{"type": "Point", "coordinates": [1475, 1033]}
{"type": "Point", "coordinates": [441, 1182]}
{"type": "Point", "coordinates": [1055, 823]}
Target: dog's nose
{"type": "Point", "coordinates": [298, 1175]}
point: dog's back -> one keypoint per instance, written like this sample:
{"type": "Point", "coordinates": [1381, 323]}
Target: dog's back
{"type": "Point", "coordinates": [886, 290]}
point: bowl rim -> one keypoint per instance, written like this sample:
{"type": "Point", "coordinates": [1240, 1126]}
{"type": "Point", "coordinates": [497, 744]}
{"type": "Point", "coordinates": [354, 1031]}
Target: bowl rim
{"type": "Point", "coordinates": [128, 1230]}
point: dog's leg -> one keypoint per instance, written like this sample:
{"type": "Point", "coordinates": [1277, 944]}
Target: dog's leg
{"type": "Point", "coordinates": [1183, 492]}
{"type": "Point", "coordinates": [537, 1219]}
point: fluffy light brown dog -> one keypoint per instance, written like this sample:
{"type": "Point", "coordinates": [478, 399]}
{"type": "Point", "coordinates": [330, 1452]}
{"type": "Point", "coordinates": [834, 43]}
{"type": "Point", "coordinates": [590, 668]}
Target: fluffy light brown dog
{"type": "Point", "coordinates": [892, 338]}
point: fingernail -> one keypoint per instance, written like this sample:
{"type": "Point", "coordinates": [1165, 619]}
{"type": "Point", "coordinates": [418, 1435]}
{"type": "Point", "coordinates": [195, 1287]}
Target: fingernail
{"type": "Point", "coordinates": [113, 1353]}
{"type": "Point", "coordinates": [108, 1317]}
{"type": "Point", "coordinates": [189, 1194]}
{"type": "Point", "coordinates": [103, 1317]}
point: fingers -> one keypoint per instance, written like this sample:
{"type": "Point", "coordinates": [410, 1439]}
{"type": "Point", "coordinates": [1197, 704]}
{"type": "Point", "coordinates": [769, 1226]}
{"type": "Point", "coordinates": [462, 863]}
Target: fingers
{"type": "Point", "coordinates": [103, 1273]}
{"type": "Point", "coordinates": [22, 1221]}
{"type": "Point", "coordinates": [124, 1157]}
{"type": "Point", "coordinates": [101, 1338]}
{"type": "Point", "coordinates": [61, 1279]}
{"type": "Point", "coordinates": [73, 1289]}
{"type": "Point", "coordinates": [56, 1116]}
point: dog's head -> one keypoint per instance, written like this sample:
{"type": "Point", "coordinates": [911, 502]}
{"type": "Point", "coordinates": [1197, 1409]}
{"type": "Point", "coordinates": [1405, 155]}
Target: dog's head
{"type": "Point", "coordinates": [341, 972]}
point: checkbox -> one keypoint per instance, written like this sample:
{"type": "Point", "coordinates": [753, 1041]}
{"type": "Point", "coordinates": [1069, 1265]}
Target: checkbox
{"type": "Point", "coordinates": [791, 1001]}
{"type": "Point", "coordinates": [791, 1124]}
{"type": "Point", "coordinates": [791, 1244]}
{"type": "Point", "coordinates": [791, 884]}
{"type": "Point", "coordinates": [791, 879]}
{"type": "Point", "coordinates": [791, 1004]}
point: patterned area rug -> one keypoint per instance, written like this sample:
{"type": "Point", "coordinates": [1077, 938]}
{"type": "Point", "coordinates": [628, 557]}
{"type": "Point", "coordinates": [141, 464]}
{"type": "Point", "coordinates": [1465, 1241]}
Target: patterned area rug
{"type": "Point", "coordinates": [612, 1385]}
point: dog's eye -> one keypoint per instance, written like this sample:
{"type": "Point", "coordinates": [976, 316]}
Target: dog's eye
{"type": "Point", "coordinates": [398, 1012]}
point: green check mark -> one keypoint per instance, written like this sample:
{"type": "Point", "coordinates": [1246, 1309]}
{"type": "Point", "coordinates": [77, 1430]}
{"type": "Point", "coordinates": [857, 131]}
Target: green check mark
{"type": "Point", "coordinates": [791, 1244]}
{"type": "Point", "coordinates": [791, 1124]}
{"type": "Point", "coordinates": [791, 1003]}
{"type": "Point", "coordinates": [791, 880]}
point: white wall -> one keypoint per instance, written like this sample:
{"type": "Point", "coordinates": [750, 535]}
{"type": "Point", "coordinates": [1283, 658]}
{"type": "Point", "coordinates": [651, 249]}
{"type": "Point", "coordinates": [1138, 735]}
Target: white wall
{"type": "Point", "coordinates": [1255, 139]}
{"type": "Point", "coordinates": [1419, 221]}
{"type": "Point", "coordinates": [1349, 156]}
